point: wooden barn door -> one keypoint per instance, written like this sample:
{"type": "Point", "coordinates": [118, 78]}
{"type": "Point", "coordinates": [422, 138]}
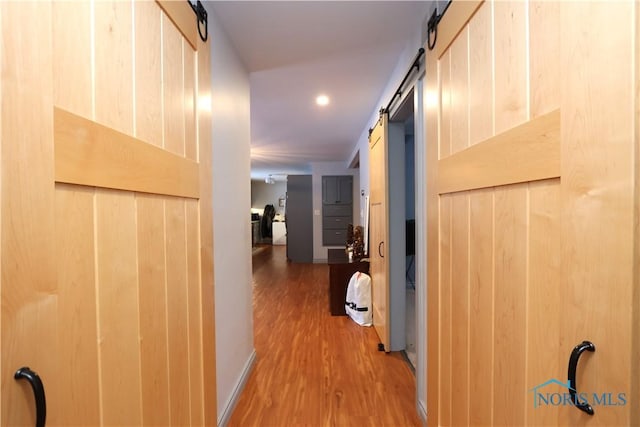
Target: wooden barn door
{"type": "Point", "coordinates": [379, 226]}
{"type": "Point", "coordinates": [532, 162]}
{"type": "Point", "coordinates": [106, 225]}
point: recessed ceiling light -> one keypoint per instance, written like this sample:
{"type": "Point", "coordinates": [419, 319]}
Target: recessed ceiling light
{"type": "Point", "coordinates": [322, 100]}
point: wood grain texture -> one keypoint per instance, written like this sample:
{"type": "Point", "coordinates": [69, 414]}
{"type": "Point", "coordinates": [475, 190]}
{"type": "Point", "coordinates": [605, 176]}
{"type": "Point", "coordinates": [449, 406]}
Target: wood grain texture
{"type": "Point", "coordinates": [377, 149]}
{"type": "Point", "coordinates": [75, 249]}
{"type": "Point", "coordinates": [511, 51]}
{"type": "Point", "coordinates": [91, 260]}
{"type": "Point", "coordinates": [379, 229]}
{"type": "Point", "coordinates": [380, 274]}
{"type": "Point", "coordinates": [544, 280]}
{"type": "Point", "coordinates": [72, 67]}
{"type": "Point", "coordinates": [544, 288]}
{"type": "Point", "coordinates": [598, 197]}
{"type": "Point", "coordinates": [635, 355]}
{"type": "Point", "coordinates": [28, 269]}
{"type": "Point", "coordinates": [172, 88]}
{"type": "Point", "coordinates": [460, 92]}
{"type": "Point", "coordinates": [527, 152]}
{"type": "Point", "coordinates": [88, 153]}
{"type": "Point", "coordinates": [511, 219]}
{"type": "Point", "coordinates": [183, 18]}
{"type": "Point", "coordinates": [481, 222]}
{"type": "Point", "coordinates": [553, 242]}
{"type": "Point", "coordinates": [458, 14]}
{"type": "Point", "coordinates": [113, 67]}
{"type": "Point", "coordinates": [544, 57]}
{"type": "Point", "coordinates": [203, 122]}
{"type": "Point", "coordinates": [148, 73]}
{"type": "Point", "coordinates": [481, 306]}
{"type": "Point", "coordinates": [177, 311]}
{"type": "Point", "coordinates": [153, 309]}
{"type": "Point", "coordinates": [194, 311]}
{"type": "Point", "coordinates": [191, 142]}
{"type": "Point", "coordinates": [481, 84]}
{"type": "Point", "coordinates": [445, 122]}
{"type": "Point", "coordinates": [118, 308]}
{"type": "Point", "coordinates": [460, 327]}
{"type": "Point", "coordinates": [446, 346]}
{"type": "Point", "coordinates": [152, 259]}
{"type": "Point", "coordinates": [313, 368]}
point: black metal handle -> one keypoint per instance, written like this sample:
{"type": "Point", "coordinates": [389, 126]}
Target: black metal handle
{"type": "Point", "coordinates": [379, 251]}
{"type": "Point", "coordinates": [573, 365]}
{"type": "Point", "coordinates": [38, 392]}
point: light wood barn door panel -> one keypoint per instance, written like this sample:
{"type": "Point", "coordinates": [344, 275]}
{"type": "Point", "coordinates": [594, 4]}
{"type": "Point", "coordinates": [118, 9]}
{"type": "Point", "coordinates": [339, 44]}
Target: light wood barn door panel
{"type": "Point", "coordinates": [124, 325]}
{"type": "Point", "coordinates": [117, 296]}
{"type": "Point", "coordinates": [152, 271]}
{"type": "Point", "coordinates": [75, 245]}
{"type": "Point", "coordinates": [29, 293]}
{"type": "Point", "coordinates": [524, 152]}
{"type": "Point", "coordinates": [599, 203]}
{"type": "Point", "coordinates": [481, 306]}
{"type": "Point", "coordinates": [485, 251]}
{"type": "Point", "coordinates": [378, 247]}
{"type": "Point", "coordinates": [378, 276]}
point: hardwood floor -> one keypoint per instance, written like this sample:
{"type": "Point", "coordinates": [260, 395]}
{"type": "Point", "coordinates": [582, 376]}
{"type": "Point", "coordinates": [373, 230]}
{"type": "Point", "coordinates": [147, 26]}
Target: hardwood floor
{"type": "Point", "coordinates": [313, 369]}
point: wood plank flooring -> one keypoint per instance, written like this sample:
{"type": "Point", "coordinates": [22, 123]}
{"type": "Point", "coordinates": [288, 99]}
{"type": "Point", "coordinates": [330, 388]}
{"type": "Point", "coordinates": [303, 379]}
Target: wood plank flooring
{"type": "Point", "coordinates": [313, 369]}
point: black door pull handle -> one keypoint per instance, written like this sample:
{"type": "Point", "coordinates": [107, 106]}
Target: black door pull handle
{"type": "Point", "coordinates": [38, 393]}
{"type": "Point", "coordinates": [379, 249]}
{"type": "Point", "coordinates": [573, 365]}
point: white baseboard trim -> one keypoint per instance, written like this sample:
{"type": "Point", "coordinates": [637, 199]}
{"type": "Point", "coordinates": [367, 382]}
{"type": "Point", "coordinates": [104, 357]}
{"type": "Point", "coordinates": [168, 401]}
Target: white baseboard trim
{"type": "Point", "coordinates": [422, 411]}
{"type": "Point", "coordinates": [233, 399]}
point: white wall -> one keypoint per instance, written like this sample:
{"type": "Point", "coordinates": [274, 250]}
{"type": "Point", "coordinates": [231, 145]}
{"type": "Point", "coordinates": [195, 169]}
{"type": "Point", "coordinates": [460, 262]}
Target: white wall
{"type": "Point", "coordinates": [318, 169]}
{"type": "Point", "coordinates": [231, 219]}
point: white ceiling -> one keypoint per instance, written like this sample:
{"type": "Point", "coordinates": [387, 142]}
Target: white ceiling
{"type": "Point", "coordinates": [295, 50]}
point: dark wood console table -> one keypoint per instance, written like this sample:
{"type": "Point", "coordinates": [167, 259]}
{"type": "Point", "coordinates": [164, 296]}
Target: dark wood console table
{"type": "Point", "coordinates": [340, 272]}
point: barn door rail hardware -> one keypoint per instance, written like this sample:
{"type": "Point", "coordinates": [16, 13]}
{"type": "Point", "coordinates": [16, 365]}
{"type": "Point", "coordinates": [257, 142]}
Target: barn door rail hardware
{"type": "Point", "coordinates": [432, 26]}
{"type": "Point", "coordinates": [573, 365]}
{"type": "Point", "coordinates": [38, 392]}
{"type": "Point", "coordinates": [201, 18]}
{"type": "Point", "coordinates": [414, 65]}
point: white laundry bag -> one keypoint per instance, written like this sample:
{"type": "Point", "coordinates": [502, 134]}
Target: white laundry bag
{"type": "Point", "coordinates": [358, 301]}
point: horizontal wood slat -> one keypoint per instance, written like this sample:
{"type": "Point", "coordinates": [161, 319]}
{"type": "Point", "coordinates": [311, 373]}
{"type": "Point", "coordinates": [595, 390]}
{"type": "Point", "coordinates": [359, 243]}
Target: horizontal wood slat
{"type": "Point", "coordinates": [183, 17]}
{"type": "Point", "coordinates": [88, 153]}
{"type": "Point", "coordinates": [454, 21]}
{"type": "Point", "coordinates": [528, 152]}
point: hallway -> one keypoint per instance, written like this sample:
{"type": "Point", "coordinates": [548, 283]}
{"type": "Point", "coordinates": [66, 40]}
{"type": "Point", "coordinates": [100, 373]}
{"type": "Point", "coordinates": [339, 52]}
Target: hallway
{"type": "Point", "coordinates": [313, 369]}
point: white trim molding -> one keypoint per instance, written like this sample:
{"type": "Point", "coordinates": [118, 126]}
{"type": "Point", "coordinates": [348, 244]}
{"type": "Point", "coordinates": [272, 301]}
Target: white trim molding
{"type": "Point", "coordinates": [225, 416]}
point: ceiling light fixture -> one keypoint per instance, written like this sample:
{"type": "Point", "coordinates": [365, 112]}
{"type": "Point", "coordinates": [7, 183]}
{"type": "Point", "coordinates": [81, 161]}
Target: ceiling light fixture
{"type": "Point", "coordinates": [322, 100]}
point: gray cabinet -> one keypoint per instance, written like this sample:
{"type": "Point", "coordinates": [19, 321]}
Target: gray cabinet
{"type": "Point", "coordinates": [337, 190]}
{"type": "Point", "coordinates": [337, 209]}
{"type": "Point", "coordinates": [299, 218]}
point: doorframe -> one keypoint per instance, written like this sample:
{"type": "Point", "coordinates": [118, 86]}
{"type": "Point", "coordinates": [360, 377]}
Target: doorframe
{"type": "Point", "coordinates": [420, 189]}
{"type": "Point", "coordinates": [416, 86]}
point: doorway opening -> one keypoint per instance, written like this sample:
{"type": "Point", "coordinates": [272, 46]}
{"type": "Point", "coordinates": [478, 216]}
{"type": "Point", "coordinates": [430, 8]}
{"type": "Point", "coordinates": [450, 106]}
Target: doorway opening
{"type": "Point", "coordinates": [403, 220]}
